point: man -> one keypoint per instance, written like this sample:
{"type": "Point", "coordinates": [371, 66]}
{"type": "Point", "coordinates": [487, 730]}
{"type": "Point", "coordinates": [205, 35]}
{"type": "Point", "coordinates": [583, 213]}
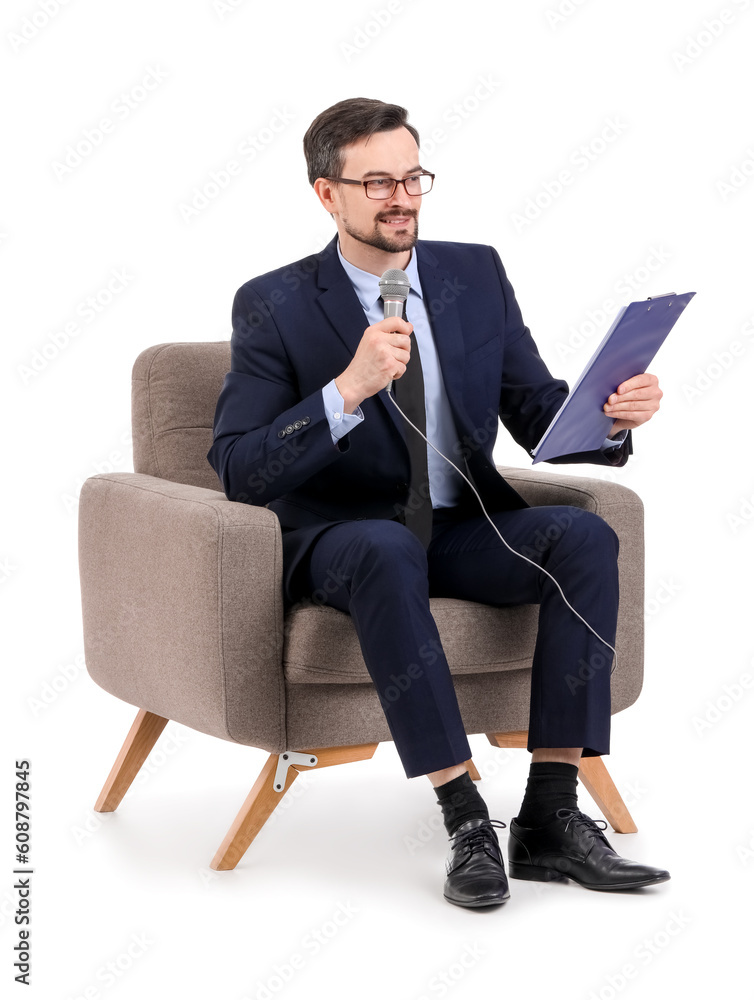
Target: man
{"type": "Point", "coordinates": [305, 426]}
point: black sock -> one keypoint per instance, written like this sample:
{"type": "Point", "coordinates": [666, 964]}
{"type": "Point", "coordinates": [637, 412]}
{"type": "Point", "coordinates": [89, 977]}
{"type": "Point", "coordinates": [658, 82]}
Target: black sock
{"type": "Point", "coordinates": [551, 786]}
{"type": "Point", "coordinates": [460, 801]}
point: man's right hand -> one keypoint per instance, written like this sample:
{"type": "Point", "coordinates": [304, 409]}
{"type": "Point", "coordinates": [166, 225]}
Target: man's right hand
{"type": "Point", "coordinates": [382, 355]}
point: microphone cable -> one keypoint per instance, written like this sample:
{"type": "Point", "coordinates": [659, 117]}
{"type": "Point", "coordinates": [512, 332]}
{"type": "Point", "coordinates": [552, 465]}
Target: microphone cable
{"type": "Point", "coordinates": [509, 547]}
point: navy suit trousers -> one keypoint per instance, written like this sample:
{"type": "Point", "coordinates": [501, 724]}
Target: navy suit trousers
{"type": "Point", "coordinates": [379, 573]}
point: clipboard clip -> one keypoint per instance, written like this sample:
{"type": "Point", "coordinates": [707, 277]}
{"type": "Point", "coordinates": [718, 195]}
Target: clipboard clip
{"type": "Point", "coordinates": [663, 296]}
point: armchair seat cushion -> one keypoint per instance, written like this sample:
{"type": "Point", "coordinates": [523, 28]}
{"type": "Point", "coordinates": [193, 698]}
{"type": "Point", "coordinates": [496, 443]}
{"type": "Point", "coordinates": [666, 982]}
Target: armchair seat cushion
{"type": "Point", "coordinates": [321, 645]}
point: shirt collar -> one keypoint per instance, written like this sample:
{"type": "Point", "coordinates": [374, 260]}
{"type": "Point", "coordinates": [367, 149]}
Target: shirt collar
{"type": "Point", "coordinates": [367, 285]}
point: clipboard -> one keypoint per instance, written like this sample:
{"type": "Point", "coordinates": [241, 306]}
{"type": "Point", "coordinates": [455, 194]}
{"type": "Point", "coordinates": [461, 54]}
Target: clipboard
{"type": "Point", "coordinates": [626, 350]}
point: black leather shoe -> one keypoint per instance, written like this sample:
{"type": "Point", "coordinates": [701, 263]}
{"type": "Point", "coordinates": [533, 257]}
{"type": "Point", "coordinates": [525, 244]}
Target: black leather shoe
{"type": "Point", "coordinates": [476, 876]}
{"type": "Point", "coordinates": [573, 846]}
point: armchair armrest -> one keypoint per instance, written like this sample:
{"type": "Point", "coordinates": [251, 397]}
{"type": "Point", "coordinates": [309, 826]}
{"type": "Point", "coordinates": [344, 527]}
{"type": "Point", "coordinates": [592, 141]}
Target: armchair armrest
{"type": "Point", "coordinates": [182, 605]}
{"type": "Point", "coordinates": [624, 512]}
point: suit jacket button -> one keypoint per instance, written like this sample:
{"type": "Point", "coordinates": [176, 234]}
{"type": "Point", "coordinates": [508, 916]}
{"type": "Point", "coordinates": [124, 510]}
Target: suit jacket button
{"type": "Point", "coordinates": [306, 420]}
{"type": "Point", "coordinates": [281, 434]}
{"type": "Point", "coordinates": [401, 487]}
{"type": "Point", "coordinates": [289, 429]}
{"type": "Point", "coordinates": [298, 425]}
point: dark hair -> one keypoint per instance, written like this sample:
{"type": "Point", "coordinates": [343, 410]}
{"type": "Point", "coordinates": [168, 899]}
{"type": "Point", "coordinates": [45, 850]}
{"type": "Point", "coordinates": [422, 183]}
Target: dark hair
{"type": "Point", "coordinates": [343, 124]}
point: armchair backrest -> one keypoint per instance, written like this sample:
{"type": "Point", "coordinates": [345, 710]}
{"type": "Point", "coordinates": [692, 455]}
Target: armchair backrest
{"type": "Point", "coordinates": [174, 390]}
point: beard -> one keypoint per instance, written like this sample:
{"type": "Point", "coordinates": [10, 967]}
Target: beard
{"type": "Point", "coordinates": [396, 243]}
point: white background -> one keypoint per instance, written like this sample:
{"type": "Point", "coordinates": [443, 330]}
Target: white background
{"type": "Point", "coordinates": [511, 93]}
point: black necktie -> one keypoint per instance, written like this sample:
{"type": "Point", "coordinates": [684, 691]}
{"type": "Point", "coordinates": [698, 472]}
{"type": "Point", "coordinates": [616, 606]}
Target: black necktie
{"type": "Point", "coordinates": [409, 395]}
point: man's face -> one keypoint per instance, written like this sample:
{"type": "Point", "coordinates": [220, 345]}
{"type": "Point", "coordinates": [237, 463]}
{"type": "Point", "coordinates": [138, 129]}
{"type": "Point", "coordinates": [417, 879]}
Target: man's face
{"type": "Point", "coordinates": [391, 225]}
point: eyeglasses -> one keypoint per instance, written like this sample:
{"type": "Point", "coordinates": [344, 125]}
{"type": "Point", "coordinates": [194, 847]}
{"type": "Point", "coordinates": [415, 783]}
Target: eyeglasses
{"type": "Point", "coordinates": [382, 188]}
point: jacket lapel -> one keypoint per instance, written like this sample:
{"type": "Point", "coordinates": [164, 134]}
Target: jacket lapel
{"type": "Point", "coordinates": [338, 300]}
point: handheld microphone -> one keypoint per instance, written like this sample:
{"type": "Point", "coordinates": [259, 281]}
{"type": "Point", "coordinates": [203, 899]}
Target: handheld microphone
{"type": "Point", "coordinates": [394, 289]}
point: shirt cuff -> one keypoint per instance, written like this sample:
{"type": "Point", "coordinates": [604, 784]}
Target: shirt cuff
{"type": "Point", "coordinates": [340, 423]}
{"type": "Point", "coordinates": [609, 443]}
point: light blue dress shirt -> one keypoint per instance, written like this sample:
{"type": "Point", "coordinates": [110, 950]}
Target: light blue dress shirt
{"type": "Point", "coordinates": [444, 482]}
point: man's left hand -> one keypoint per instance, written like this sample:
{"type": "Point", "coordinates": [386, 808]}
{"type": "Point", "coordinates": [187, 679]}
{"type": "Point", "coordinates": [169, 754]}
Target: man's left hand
{"type": "Point", "coordinates": [633, 403]}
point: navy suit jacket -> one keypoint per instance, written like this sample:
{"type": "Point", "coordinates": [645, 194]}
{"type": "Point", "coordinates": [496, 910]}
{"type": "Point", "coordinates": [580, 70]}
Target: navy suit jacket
{"type": "Point", "coordinates": [296, 328]}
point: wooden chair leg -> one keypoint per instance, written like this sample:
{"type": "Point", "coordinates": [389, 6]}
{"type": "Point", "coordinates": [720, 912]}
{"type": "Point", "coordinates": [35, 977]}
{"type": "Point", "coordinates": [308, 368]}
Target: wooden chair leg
{"type": "Point", "coordinates": [594, 776]}
{"type": "Point", "coordinates": [597, 781]}
{"type": "Point", "coordinates": [516, 740]}
{"type": "Point", "coordinates": [262, 799]}
{"type": "Point", "coordinates": [471, 768]}
{"type": "Point", "coordinates": [141, 738]}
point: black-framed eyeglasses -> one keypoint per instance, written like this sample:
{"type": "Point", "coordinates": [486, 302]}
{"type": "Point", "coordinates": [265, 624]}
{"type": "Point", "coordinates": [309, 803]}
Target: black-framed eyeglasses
{"type": "Point", "coordinates": [382, 188]}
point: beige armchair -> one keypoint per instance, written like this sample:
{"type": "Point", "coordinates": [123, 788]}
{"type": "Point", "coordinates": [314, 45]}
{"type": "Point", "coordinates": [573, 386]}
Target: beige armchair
{"type": "Point", "coordinates": [184, 618]}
